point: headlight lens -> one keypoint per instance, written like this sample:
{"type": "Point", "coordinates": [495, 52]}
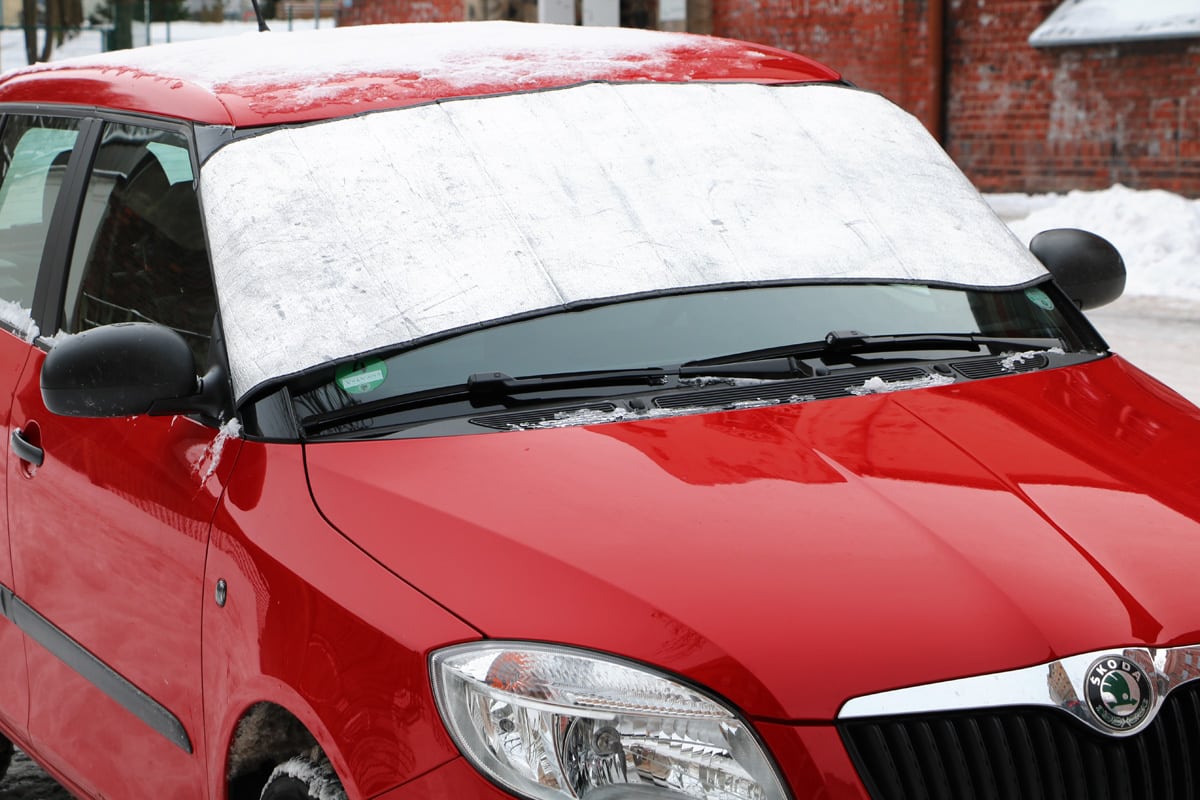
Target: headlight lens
{"type": "Point", "coordinates": [553, 722]}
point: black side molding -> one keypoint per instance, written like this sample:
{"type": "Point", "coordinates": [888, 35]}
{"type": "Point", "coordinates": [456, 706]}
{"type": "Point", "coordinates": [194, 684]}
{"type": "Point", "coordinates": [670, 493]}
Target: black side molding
{"type": "Point", "coordinates": [107, 680]}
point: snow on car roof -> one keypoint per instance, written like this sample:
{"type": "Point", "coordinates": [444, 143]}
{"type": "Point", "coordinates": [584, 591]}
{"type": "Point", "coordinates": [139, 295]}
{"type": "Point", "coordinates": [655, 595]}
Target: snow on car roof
{"type": "Point", "coordinates": [1095, 21]}
{"type": "Point", "coordinates": [399, 227]}
{"type": "Point", "coordinates": [269, 78]}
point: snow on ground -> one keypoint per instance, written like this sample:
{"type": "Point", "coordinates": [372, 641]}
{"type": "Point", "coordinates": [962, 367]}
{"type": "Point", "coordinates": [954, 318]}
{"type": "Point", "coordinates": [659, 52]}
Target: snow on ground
{"type": "Point", "coordinates": [1156, 324]}
{"type": "Point", "coordinates": [89, 41]}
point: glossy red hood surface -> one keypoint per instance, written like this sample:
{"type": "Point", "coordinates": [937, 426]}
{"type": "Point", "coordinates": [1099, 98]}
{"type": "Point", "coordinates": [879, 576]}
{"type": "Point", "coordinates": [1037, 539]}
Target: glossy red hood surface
{"type": "Point", "coordinates": [796, 556]}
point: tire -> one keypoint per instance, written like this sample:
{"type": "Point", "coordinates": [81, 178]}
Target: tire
{"type": "Point", "coordinates": [301, 778]}
{"type": "Point", "coordinates": [6, 755]}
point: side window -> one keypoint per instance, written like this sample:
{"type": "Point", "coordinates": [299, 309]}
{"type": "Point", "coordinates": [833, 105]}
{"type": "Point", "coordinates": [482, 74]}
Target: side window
{"type": "Point", "coordinates": [140, 253]}
{"type": "Point", "coordinates": [33, 158]}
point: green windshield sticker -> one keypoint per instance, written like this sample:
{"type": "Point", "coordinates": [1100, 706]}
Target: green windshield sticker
{"type": "Point", "coordinates": [1040, 299]}
{"type": "Point", "coordinates": [361, 377]}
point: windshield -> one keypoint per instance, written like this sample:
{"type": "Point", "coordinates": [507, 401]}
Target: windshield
{"type": "Point", "coordinates": [421, 222]}
{"type": "Point", "coordinates": [669, 333]}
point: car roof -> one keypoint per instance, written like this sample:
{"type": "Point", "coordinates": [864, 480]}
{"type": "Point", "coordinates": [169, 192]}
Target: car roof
{"type": "Point", "coordinates": [271, 78]}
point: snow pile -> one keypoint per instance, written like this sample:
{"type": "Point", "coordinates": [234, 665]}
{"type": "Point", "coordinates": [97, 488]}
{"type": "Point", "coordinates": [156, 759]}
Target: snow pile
{"type": "Point", "coordinates": [1013, 360]}
{"type": "Point", "coordinates": [1078, 22]}
{"type": "Point", "coordinates": [19, 318]}
{"type": "Point", "coordinates": [212, 454]}
{"type": "Point", "coordinates": [593, 416]}
{"type": "Point", "coordinates": [1157, 232]}
{"type": "Point", "coordinates": [878, 385]}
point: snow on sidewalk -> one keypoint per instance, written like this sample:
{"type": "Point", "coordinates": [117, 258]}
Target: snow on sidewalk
{"type": "Point", "coordinates": [1156, 324]}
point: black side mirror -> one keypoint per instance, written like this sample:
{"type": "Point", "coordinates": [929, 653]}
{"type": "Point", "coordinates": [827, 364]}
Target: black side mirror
{"type": "Point", "coordinates": [1085, 266]}
{"type": "Point", "coordinates": [119, 371]}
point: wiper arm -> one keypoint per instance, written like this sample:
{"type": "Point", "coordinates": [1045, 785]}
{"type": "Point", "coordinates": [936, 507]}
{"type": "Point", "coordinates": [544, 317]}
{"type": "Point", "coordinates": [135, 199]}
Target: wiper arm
{"type": "Point", "coordinates": [493, 388]}
{"type": "Point", "coordinates": [838, 344]}
{"type": "Point", "coordinates": [853, 341]}
{"type": "Point", "coordinates": [481, 389]}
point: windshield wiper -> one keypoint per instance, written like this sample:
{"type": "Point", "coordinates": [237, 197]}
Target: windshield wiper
{"type": "Point", "coordinates": [495, 388]}
{"type": "Point", "coordinates": [840, 345]}
{"type": "Point", "coordinates": [484, 389]}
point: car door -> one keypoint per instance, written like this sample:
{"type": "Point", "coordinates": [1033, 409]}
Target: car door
{"type": "Point", "coordinates": [109, 532]}
{"type": "Point", "coordinates": [34, 150]}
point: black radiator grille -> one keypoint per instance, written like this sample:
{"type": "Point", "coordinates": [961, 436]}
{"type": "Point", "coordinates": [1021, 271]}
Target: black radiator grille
{"type": "Point", "coordinates": [1028, 754]}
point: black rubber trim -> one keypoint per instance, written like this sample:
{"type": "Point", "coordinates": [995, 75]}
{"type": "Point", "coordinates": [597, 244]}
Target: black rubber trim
{"type": "Point", "coordinates": [107, 680]}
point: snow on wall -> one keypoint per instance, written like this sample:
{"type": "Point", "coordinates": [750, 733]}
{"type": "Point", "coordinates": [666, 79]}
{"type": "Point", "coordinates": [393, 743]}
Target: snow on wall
{"type": "Point", "coordinates": [1078, 22]}
{"type": "Point", "coordinates": [335, 239]}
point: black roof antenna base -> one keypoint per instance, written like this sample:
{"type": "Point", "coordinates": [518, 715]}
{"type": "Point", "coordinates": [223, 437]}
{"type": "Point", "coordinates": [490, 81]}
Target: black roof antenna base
{"type": "Point", "coordinates": [262, 23]}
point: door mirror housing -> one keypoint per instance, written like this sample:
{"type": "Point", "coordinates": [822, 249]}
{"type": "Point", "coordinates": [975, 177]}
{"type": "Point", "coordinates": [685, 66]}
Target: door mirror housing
{"type": "Point", "coordinates": [1085, 266]}
{"type": "Point", "coordinates": [120, 370]}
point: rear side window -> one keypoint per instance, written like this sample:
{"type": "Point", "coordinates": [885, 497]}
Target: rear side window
{"type": "Point", "coordinates": [33, 159]}
{"type": "Point", "coordinates": [140, 254]}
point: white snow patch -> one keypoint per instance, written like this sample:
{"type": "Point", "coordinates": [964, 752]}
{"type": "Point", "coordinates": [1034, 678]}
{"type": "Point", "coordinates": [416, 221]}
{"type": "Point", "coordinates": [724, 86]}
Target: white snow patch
{"type": "Point", "coordinates": [1011, 360]}
{"type": "Point", "coordinates": [1156, 232]}
{"type": "Point", "coordinates": [456, 56]}
{"type": "Point", "coordinates": [704, 381]}
{"type": "Point", "coordinates": [210, 459]}
{"type": "Point", "coordinates": [20, 318]}
{"type": "Point", "coordinates": [1077, 22]}
{"type": "Point", "coordinates": [385, 244]}
{"type": "Point", "coordinates": [877, 385]}
{"type": "Point", "coordinates": [319, 778]}
{"type": "Point", "coordinates": [592, 416]}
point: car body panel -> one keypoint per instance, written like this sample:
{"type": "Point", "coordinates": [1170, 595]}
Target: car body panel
{"type": "Point", "coordinates": [109, 537]}
{"type": "Point", "coordinates": [683, 541]}
{"type": "Point", "coordinates": [237, 81]}
{"type": "Point", "coordinates": [314, 624]}
{"type": "Point", "coordinates": [786, 558]}
{"type": "Point", "coordinates": [14, 689]}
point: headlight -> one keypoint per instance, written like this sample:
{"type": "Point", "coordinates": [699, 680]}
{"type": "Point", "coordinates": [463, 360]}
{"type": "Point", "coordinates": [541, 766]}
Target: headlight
{"type": "Point", "coordinates": [551, 722]}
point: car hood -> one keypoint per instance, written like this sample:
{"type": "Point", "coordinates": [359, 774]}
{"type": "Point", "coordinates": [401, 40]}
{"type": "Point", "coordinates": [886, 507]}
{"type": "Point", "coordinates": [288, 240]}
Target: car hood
{"type": "Point", "coordinates": [796, 556]}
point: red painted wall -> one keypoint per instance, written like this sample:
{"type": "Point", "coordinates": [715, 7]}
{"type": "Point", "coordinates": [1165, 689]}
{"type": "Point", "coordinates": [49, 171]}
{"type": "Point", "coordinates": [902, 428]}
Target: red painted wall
{"type": "Point", "coordinates": [372, 12]}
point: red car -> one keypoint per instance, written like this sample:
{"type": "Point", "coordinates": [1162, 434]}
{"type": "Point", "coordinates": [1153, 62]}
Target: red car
{"type": "Point", "coordinates": [497, 410]}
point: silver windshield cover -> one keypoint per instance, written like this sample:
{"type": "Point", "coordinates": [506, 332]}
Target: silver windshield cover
{"type": "Point", "coordinates": [338, 238]}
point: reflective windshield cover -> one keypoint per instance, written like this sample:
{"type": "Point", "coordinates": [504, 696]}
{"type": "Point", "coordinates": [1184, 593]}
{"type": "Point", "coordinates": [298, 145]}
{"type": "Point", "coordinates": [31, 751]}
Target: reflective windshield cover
{"type": "Point", "coordinates": [401, 227]}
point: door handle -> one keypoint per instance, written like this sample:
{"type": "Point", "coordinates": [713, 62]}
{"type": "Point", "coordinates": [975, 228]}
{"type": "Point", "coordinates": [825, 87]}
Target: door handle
{"type": "Point", "coordinates": [26, 451]}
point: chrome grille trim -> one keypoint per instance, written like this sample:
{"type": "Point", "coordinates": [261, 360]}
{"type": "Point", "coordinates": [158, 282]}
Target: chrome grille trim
{"type": "Point", "coordinates": [1057, 684]}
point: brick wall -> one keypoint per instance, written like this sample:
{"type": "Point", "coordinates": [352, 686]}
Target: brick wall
{"type": "Point", "coordinates": [888, 46]}
{"type": "Point", "coordinates": [1015, 118]}
{"type": "Point", "coordinates": [1051, 119]}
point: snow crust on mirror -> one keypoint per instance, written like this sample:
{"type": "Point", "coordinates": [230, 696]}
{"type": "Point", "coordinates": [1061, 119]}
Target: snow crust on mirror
{"type": "Point", "coordinates": [339, 238]}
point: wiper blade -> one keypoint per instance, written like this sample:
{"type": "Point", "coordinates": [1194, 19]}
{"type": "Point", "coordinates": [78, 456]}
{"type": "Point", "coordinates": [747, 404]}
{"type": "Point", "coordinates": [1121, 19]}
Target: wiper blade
{"type": "Point", "coordinates": [481, 389]}
{"type": "Point", "coordinates": [838, 345]}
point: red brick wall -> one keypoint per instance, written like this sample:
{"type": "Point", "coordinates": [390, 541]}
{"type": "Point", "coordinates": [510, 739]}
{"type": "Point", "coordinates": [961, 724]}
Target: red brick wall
{"type": "Point", "coordinates": [1015, 118]}
{"type": "Point", "coordinates": [370, 12]}
{"type": "Point", "coordinates": [888, 46]}
{"type": "Point", "coordinates": [1052, 119]}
